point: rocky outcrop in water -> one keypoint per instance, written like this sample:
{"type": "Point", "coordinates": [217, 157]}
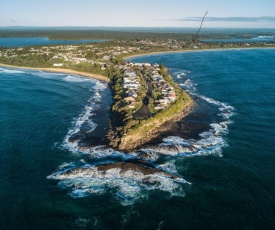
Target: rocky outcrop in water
{"type": "Point", "coordinates": [136, 169]}
{"type": "Point", "coordinates": [127, 179]}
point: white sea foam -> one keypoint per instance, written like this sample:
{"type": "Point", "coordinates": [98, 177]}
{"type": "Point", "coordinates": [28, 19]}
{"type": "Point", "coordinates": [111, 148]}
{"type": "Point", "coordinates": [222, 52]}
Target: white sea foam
{"type": "Point", "coordinates": [130, 186]}
{"type": "Point", "coordinates": [168, 167]}
{"type": "Point", "coordinates": [180, 74]}
{"type": "Point", "coordinates": [127, 186]}
{"type": "Point", "coordinates": [46, 75]}
{"type": "Point", "coordinates": [84, 123]}
{"type": "Point", "coordinates": [210, 142]}
{"type": "Point", "coordinates": [188, 84]}
{"type": "Point", "coordinates": [3, 70]}
{"type": "Point", "coordinates": [76, 78]}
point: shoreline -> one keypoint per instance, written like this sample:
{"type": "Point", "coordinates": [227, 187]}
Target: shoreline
{"type": "Point", "coordinates": [133, 142]}
{"type": "Point", "coordinates": [194, 50]}
{"type": "Point", "coordinates": [60, 70]}
{"type": "Point", "coordinates": [106, 79]}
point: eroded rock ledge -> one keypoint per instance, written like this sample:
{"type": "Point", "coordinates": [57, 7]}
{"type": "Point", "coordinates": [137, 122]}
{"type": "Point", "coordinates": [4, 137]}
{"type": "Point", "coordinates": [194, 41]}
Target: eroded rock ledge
{"type": "Point", "coordinates": [132, 141]}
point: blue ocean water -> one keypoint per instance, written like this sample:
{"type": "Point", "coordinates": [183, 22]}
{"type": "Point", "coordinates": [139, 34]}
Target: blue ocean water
{"type": "Point", "coordinates": [254, 39]}
{"type": "Point", "coordinates": [40, 41]}
{"type": "Point", "coordinates": [50, 122]}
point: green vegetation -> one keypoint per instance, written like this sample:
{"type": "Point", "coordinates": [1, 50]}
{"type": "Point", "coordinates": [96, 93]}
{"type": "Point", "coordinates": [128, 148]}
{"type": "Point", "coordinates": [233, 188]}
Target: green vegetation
{"type": "Point", "coordinates": [108, 59]}
{"type": "Point", "coordinates": [126, 128]}
{"type": "Point", "coordinates": [162, 115]}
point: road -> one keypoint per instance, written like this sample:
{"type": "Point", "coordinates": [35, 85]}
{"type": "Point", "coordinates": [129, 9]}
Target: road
{"type": "Point", "coordinates": [144, 111]}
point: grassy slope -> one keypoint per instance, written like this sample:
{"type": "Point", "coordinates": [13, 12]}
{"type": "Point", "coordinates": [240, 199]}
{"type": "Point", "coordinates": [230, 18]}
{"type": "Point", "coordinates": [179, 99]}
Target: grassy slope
{"type": "Point", "coordinates": [147, 127]}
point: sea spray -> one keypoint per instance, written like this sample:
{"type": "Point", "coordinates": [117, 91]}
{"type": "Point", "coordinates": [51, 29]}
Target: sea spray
{"type": "Point", "coordinates": [127, 181]}
{"type": "Point", "coordinates": [128, 187]}
{"type": "Point", "coordinates": [84, 123]}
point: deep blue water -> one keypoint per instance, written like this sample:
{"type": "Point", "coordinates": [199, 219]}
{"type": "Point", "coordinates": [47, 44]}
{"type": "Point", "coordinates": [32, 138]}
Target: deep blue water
{"type": "Point", "coordinates": [40, 41]}
{"type": "Point", "coordinates": [254, 39]}
{"type": "Point", "coordinates": [230, 175]}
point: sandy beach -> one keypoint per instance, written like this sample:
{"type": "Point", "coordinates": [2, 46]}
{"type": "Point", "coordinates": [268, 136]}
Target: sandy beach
{"type": "Point", "coordinates": [60, 70]}
{"type": "Point", "coordinates": [194, 50]}
{"type": "Point", "coordinates": [106, 79]}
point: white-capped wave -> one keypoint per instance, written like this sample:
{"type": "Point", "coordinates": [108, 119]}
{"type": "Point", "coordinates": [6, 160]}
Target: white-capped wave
{"type": "Point", "coordinates": [99, 87]}
{"type": "Point", "coordinates": [76, 78]}
{"type": "Point", "coordinates": [131, 185]}
{"type": "Point", "coordinates": [84, 123]}
{"type": "Point", "coordinates": [4, 70]}
{"type": "Point", "coordinates": [102, 152]}
{"type": "Point", "coordinates": [83, 119]}
{"type": "Point", "coordinates": [168, 167]}
{"type": "Point", "coordinates": [46, 75]}
{"type": "Point", "coordinates": [181, 73]}
{"type": "Point", "coordinates": [127, 185]}
{"type": "Point", "coordinates": [189, 85]}
{"type": "Point", "coordinates": [210, 142]}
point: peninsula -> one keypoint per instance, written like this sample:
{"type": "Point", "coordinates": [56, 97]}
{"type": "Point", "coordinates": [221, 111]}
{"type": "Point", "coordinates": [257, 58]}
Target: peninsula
{"type": "Point", "coordinates": [145, 96]}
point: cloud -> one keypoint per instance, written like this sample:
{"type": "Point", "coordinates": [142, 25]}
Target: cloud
{"type": "Point", "coordinates": [228, 19]}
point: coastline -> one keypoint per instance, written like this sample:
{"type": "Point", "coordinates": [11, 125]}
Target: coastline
{"type": "Point", "coordinates": [133, 141]}
{"type": "Point", "coordinates": [60, 70]}
{"type": "Point", "coordinates": [107, 80]}
{"type": "Point", "coordinates": [194, 50]}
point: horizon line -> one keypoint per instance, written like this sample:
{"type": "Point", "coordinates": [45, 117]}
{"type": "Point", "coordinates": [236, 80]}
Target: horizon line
{"type": "Point", "coordinates": [143, 27]}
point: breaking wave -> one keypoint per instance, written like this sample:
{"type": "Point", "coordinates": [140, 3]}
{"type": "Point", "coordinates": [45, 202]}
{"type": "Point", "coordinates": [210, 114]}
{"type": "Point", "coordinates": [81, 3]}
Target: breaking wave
{"type": "Point", "coordinates": [76, 78]}
{"type": "Point", "coordinates": [4, 70]}
{"type": "Point", "coordinates": [84, 123]}
{"type": "Point", "coordinates": [130, 185]}
{"type": "Point", "coordinates": [127, 185]}
{"type": "Point", "coordinates": [46, 75]}
{"type": "Point", "coordinates": [181, 73]}
{"type": "Point", "coordinates": [210, 142]}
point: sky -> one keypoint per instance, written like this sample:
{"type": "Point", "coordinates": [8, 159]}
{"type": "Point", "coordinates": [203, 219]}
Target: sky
{"type": "Point", "coordinates": [139, 13]}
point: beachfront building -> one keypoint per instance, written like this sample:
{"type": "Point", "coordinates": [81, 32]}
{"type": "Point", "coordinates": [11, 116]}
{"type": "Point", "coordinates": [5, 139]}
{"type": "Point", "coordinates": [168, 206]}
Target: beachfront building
{"type": "Point", "coordinates": [57, 64]}
{"type": "Point", "coordinates": [131, 85]}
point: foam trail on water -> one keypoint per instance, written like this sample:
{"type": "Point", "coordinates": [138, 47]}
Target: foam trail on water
{"type": "Point", "coordinates": [132, 184]}
{"type": "Point", "coordinates": [127, 185]}
{"type": "Point", "coordinates": [46, 75]}
{"type": "Point", "coordinates": [210, 142]}
{"type": "Point", "coordinates": [4, 70]}
{"type": "Point", "coordinates": [104, 152]}
{"type": "Point", "coordinates": [84, 123]}
{"type": "Point", "coordinates": [76, 78]}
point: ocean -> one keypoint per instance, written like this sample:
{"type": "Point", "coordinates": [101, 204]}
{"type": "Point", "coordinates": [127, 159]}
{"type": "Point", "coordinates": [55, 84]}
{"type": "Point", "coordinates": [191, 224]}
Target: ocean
{"type": "Point", "coordinates": [223, 152]}
{"type": "Point", "coordinates": [235, 40]}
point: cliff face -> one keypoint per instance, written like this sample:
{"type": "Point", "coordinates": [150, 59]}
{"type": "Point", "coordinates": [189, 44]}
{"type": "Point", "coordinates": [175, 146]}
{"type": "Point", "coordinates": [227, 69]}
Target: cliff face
{"type": "Point", "coordinates": [151, 129]}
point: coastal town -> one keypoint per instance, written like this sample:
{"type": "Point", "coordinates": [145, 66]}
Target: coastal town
{"type": "Point", "coordinates": [137, 115]}
{"type": "Point", "coordinates": [144, 95]}
{"type": "Point", "coordinates": [97, 57]}
{"type": "Point", "coordinates": [158, 92]}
